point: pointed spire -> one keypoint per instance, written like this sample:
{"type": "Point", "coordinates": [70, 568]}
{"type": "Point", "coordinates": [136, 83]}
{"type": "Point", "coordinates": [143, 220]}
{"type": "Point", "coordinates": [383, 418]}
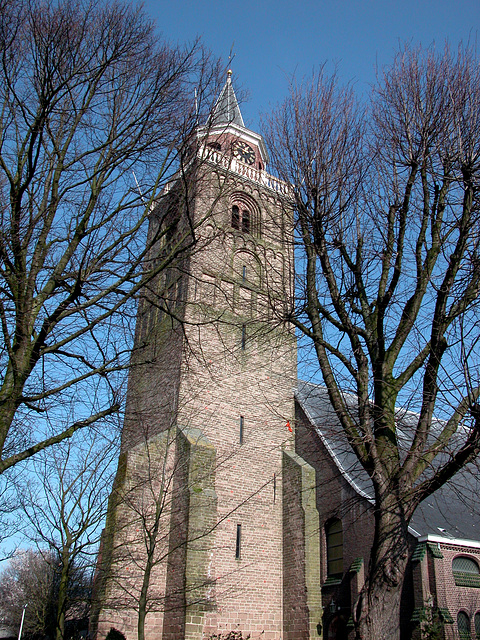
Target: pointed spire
{"type": "Point", "coordinates": [226, 109]}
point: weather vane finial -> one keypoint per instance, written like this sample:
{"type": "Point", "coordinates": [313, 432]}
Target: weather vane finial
{"type": "Point", "coordinates": [231, 56]}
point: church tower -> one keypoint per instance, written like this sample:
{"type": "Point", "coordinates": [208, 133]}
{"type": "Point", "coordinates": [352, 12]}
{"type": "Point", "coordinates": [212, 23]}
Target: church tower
{"type": "Point", "coordinates": [208, 526]}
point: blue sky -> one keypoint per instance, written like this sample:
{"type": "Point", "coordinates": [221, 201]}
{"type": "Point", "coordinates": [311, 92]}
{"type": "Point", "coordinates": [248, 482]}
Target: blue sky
{"type": "Point", "coordinates": [274, 40]}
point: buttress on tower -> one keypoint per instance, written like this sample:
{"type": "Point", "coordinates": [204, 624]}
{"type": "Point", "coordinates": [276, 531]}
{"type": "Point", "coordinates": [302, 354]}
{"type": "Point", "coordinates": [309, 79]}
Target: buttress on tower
{"type": "Point", "coordinates": [212, 525]}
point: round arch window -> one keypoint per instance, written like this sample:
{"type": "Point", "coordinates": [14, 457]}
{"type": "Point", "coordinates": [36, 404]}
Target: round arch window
{"type": "Point", "coordinates": [477, 625]}
{"type": "Point", "coordinates": [465, 565]}
{"type": "Point", "coordinates": [244, 214]}
{"type": "Point", "coordinates": [463, 625]}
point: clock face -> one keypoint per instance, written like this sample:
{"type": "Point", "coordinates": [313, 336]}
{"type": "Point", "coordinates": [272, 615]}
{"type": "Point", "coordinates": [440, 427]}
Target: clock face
{"type": "Point", "coordinates": [244, 152]}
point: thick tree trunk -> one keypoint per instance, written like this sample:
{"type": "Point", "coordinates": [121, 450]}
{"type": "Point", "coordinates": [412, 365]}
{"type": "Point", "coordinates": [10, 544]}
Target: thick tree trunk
{"type": "Point", "coordinates": [378, 610]}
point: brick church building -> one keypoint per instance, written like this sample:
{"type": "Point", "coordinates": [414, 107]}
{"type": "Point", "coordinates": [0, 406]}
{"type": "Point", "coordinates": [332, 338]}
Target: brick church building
{"type": "Point", "coordinates": [237, 505]}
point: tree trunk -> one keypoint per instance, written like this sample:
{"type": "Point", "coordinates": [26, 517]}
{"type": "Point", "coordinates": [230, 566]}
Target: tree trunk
{"type": "Point", "coordinates": [142, 601]}
{"type": "Point", "coordinates": [63, 594]}
{"type": "Point", "coordinates": [378, 609]}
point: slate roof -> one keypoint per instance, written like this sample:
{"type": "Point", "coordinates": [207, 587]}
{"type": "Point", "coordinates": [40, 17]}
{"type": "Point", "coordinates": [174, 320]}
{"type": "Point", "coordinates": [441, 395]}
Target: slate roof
{"type": "Point", "coordinates": [452, 512]}
{"type": "Point", "coordinates": [226, 109]}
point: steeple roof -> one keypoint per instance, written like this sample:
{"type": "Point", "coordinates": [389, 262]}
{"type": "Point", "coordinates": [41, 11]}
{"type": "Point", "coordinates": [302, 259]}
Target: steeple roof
{"type": "Point", "coordinates": [226, 109]}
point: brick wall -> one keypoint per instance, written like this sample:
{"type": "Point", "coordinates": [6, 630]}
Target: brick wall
{"type": "Point", "coordinates": [446, 593]}
{"type": "Point", "coordinates": [301, 544]}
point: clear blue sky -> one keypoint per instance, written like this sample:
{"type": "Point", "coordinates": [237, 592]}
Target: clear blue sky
{"type": "Point", "coordinates": [273, 40]}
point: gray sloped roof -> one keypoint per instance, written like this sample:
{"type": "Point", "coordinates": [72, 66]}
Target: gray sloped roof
{"type": "Point", "coordinates": [226, 109]}
{"type": "Point", "coordinates": [451, 512]}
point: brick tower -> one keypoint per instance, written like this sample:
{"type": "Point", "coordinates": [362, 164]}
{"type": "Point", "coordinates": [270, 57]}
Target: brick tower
{"type": "Point", "coordinates": [211, 524]}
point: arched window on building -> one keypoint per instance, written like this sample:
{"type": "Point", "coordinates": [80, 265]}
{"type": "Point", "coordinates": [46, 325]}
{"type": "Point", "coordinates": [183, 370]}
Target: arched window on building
{"type": "Point", "coordinates": [463, 625]}
{"type": "Point", "coordinates": [466, 572]}
{"type": "Point", "coordinates": [245, 214]}
{"type": "Point", "coordinates": [477, 625]}
{"type": "Point", "coordinates": [334, 536]}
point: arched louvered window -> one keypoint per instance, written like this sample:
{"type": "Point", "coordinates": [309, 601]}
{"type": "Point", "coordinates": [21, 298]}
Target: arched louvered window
{"type": "Point", "coordinates": [245, 214]}
{"type": "Point", "coordinates": [241, 219]}
{"type": "Point", "coordinates": [334, 535]}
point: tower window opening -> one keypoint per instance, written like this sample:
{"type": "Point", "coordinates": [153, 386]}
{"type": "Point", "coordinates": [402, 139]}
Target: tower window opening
{"type": "Point", "coordinates": [246, 221]}
{"type": "Point", "coordinates": [240, 435]}
{"type": "Point", "coordinates": [244, 273]}
{"type": "Point", "coordinates": [241, 220]}
{"type": "Point", "coordinates": [238, 542]}
{"type": "Point", "coordinates": [235, 217]}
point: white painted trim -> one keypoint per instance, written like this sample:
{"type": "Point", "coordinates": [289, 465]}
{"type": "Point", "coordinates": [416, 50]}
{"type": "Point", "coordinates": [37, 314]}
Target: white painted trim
{"type": "Point", "coordinates": [238, 132]}
{"type": "Point", "coordinates": [458, 542]}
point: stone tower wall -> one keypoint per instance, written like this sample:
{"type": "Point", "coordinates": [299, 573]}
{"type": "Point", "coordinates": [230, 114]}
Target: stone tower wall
{"type": "Point", "coordinates": [212, 383]}
{"type": "Point", "coordinates": [246, 370]}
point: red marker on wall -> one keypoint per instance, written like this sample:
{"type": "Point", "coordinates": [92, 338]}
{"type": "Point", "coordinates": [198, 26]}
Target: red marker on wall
{"type": "Point", "coordinates": [289, 427]}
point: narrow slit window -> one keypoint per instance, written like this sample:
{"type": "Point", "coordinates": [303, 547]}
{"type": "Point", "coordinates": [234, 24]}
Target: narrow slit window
{"type": "Point", "coordinates": [244, 273]}
{"type": "Point", "coordinates": [244, 337]}
{"type": "Point", "coordinates": [238, 542]}
{"type": "Point", "coordinates": [240, 435]}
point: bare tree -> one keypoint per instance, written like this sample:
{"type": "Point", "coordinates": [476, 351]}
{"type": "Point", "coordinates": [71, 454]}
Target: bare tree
{"type": "Point", "coordinates": [26, 580]}
{"type": "Point", "coordinates": [387, 208]}
{"type": "Point", "coordinates": [65, 504]}
{"type": "Point", "coordinates": [29, 584]}
{"type": "Point", "coordinates": [88, 93]}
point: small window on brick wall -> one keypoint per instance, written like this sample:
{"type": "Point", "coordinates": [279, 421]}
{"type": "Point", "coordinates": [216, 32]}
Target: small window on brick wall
{"type": "Point", "coordinates": [334, 534]}
{"type": "Point", "coordinates": [243, 342]}
{"type": "Point", "coordinates": [466, 572]}
{"type": "Point", "coordinates": [238, 543]}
